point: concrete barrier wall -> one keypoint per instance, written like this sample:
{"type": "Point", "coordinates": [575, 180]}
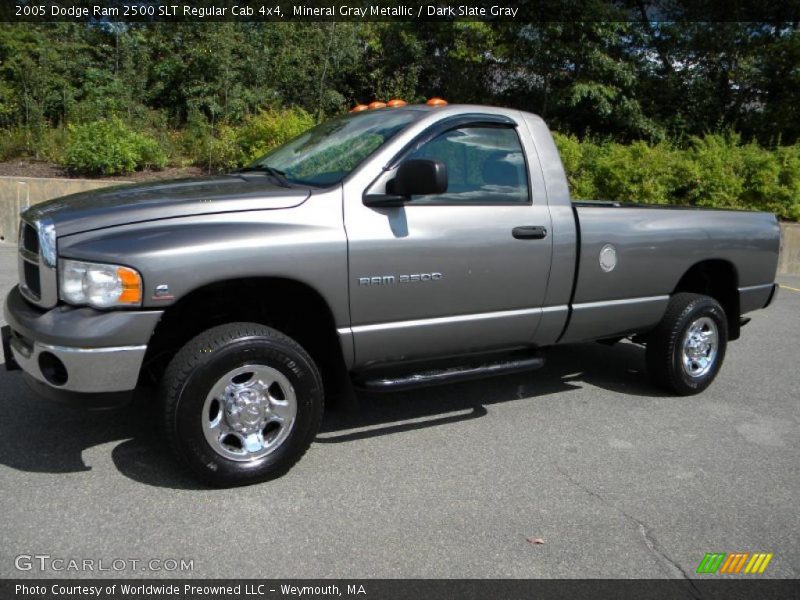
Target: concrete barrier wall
{"type": "Point", "coordinates": [789, 262]}
{"type": "Point", "coordinates": [18, 193]}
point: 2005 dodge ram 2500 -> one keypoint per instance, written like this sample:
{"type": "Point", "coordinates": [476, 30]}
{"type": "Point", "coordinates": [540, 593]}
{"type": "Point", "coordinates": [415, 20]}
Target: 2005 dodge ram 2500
{"type": "Point", "coordinates": [382, 249]}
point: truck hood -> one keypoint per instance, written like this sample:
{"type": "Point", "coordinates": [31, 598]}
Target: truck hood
{"type": "Point", "coordinates": [125, 204]}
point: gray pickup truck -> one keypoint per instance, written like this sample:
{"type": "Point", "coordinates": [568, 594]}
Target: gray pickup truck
{"type": "Point", "coordinates": [380, 250]}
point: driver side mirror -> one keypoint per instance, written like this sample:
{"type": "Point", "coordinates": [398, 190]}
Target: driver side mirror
{"type": "Point", "coordinates": [420, 177]}
{"type": "Point", "coordinates": [415, 177]}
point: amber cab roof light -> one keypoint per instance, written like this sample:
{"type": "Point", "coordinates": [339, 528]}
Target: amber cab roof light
{"type": "Point", "coordinates": [394, 103]}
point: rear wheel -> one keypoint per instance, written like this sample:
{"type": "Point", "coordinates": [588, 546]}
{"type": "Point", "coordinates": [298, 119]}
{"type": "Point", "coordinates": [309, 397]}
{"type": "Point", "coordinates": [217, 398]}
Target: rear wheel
{"type": "Point", "coordinates": [686, 350]}
{"type": "Point", "coordinates": [242, 403]}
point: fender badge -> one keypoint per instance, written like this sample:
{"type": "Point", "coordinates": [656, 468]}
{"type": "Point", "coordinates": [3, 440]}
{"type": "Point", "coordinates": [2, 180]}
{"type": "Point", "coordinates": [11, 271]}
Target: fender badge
{"type": "Point", "coordinates": [162, 293]}
{"type": "Point", "coordinates": [608, 258]}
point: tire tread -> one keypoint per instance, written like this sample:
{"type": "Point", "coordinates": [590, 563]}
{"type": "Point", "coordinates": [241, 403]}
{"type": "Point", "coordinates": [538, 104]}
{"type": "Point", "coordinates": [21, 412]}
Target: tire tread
{"type": "Point", "coordinates": [194, 354]}
{"type": "Point", "coordinates": [663, 340]}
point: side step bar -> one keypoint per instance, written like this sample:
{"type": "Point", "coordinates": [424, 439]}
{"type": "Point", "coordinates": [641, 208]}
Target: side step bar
{"type": "Point", "coordinates": [405, 381]}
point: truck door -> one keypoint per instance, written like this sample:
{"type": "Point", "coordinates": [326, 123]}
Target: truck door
{"type": "Point", "coordinates": [459, 272]}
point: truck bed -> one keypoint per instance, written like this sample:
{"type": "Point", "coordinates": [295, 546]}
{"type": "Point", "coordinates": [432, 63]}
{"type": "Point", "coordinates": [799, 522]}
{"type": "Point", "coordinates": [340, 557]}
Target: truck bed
{"type": "Point", "coordinates": [654, 247]}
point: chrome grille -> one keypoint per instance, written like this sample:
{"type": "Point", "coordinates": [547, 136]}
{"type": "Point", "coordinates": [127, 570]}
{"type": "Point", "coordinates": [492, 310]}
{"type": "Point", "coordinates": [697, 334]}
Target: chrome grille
{"type": "Point", "coordinates": [29, 238]}
{"type": "Point", "coordinates": [32, 281]}
{"type": "Point", "coordinates": [37, 281]}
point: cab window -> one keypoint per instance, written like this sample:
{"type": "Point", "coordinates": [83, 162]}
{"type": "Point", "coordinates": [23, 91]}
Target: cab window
{"type": "Point", "coordinates": [485, 165]}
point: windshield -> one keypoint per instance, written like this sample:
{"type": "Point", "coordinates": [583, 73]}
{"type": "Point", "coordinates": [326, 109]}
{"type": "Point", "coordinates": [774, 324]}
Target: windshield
{"type": "Point", "coordinates": [327, 153]}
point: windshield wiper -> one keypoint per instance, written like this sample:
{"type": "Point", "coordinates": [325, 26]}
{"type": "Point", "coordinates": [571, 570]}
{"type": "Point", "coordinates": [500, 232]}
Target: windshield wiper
{"type": "Point", "coordinates": [276, 174]}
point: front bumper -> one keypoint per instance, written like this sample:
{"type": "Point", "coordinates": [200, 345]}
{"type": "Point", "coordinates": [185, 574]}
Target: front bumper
{"type": "Point", "coordinates": [77, 350]}
{"type": "Point", "coordinates": [89, 370]}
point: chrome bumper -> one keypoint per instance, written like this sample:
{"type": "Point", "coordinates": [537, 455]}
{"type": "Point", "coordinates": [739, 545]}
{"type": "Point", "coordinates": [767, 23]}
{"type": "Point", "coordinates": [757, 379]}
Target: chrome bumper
{"type": "Point", "coordinates": [77, 350]}
{"type": "Point", "coordinates": [84, 370]}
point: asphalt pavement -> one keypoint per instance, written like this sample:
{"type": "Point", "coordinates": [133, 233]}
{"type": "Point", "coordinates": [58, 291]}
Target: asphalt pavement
{"type": "Point", "coordinates": [614, 478]}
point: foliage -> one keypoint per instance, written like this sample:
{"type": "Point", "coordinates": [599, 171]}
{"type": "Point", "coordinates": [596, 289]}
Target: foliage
{"type": "Point", "coordinates": [109, 147]}
{"type": "Point", "coordinates": [227, 147]}
{"type": "Point", "coordinates": [618, 76]}
{"type": "Point", "coordinates": [269, 128]}
{"type": "Point", "coordinates": [213, 148]}
{"type": "Point", "coordinates": [714, 171]}
{"type": "Point", "coordinates": [13, 143]}
{"type": "Point", "coordinates": [216, 94]}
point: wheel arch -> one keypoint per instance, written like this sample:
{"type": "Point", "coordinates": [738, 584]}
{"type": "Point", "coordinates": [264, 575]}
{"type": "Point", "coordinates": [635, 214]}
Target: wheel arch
{"type": "Point", "coordinates": [288, 305]}
{"type": "Point", "coordinates": [719, 279]}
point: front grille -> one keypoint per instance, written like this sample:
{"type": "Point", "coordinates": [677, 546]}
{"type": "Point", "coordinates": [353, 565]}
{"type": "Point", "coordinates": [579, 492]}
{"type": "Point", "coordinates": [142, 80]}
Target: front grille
{"type": "Point", "coordinates": [32, 279]}
{"type": "Point", "coordinates": [30, 238]}
{"type": "Point", "coordinates": [37, 281]}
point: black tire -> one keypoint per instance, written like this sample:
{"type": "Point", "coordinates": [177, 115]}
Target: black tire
{"type": "Point", "coordinates": [205, 361]}
{"type": "Point", "coordinates": [665, 351]}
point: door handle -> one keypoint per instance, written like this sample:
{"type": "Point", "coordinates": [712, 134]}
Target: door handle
{"type": "Point", "coordinates": [529, 232]}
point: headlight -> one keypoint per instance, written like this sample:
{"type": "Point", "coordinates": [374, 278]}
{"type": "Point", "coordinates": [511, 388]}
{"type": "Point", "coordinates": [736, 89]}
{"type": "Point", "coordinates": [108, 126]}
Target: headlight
{"type": "Point", "coordinates": [98, 285]}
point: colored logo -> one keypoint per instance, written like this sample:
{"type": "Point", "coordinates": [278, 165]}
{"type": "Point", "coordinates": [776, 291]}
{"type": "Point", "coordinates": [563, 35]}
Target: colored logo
{"type": "Point", "coordinates": [720, 562]}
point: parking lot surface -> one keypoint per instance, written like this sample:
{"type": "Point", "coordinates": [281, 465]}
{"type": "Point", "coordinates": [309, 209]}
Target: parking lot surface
{"type": "Point", "coordinates": [614, 477]}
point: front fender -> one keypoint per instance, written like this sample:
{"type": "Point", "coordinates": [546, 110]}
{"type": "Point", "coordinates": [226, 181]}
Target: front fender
{"type": "Point", "coordinates": [178, 255]}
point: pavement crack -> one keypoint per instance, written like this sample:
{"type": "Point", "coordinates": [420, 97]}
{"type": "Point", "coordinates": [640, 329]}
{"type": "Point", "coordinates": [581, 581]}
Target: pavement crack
{"type": "Point", "coordinates": [646, 533]}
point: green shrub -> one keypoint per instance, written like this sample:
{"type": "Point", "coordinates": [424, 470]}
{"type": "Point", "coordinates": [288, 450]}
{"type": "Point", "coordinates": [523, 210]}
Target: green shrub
{"type": "Point", "coordinates": [269, 128]}
{"type": "Point", "coordinates": [636, 172]}
{"type": "Point", "coordinates": [714, 171]}
{"type": "Point", "coordinates": [221, 151]}
{"type": "Point", "coordinates": [13, 143]}
{"type": "Point", "coordinates": [109, 147]}
{"type": "Point", "coordinates": [225, 147]}
{"type": "Point", "coordinates": [52, 144]}
{"type": "Point", "coordinates": [578, 158]}
{"type": "Point", "coordinates": [211, 148]}
{"type": "Point", "coordinates": [788, 198]}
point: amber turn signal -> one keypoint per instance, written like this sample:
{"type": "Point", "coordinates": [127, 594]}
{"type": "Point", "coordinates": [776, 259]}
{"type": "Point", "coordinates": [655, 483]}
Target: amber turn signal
{"type": "Point", "coordinates": [131, 286]}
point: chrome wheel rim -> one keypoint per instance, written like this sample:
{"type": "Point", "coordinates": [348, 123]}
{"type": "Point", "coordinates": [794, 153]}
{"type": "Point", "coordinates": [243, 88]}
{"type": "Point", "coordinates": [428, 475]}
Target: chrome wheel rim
{"type": "Point", "coordinates": [700, 346]}
{"type": "Point", "coordinates": [249, 412]}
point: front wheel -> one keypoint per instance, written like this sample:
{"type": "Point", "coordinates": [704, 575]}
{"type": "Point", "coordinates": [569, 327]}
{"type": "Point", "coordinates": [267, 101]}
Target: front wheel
{"type": "Point", "coordinates": [686, 350]}
{"type": "Point", "coordinates": [241, 404]}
